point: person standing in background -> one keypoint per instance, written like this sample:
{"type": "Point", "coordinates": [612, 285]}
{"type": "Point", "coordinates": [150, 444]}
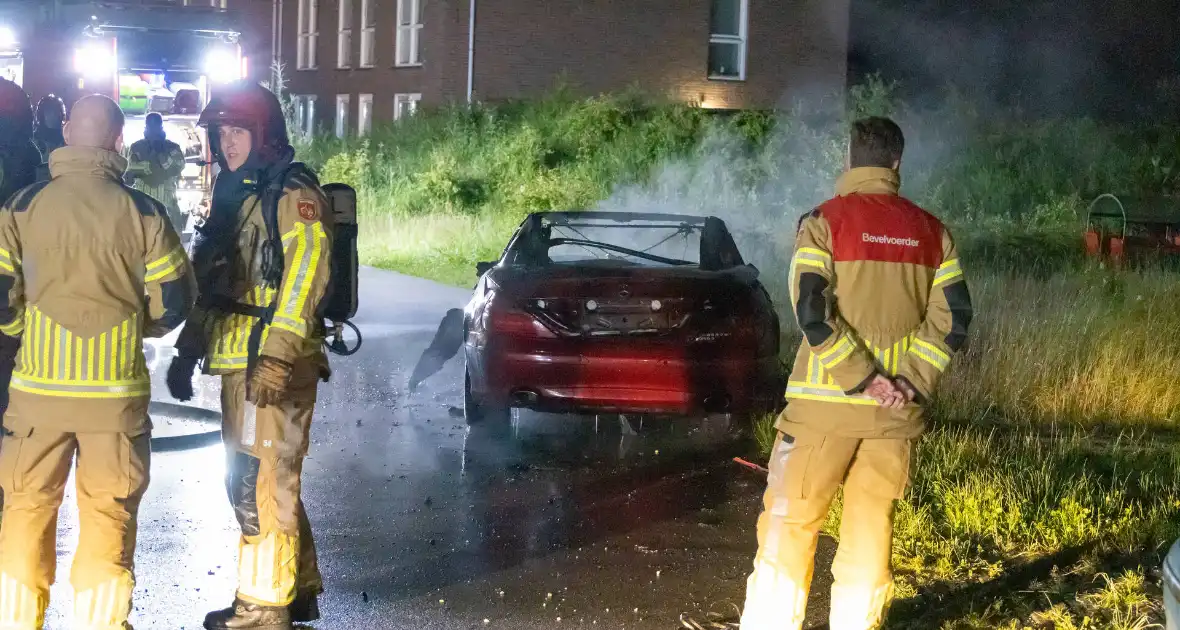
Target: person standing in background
{"type": "Point", "coordinates": [51, 116]}
{"type": "Point", "coordinates": [154, 165]}
{"type": "Point", "coordinates": [20, 163]}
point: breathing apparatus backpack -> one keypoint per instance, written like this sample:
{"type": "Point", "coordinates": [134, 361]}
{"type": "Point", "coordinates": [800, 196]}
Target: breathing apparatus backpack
{"type": "Point", "coordinates": [340, 302]}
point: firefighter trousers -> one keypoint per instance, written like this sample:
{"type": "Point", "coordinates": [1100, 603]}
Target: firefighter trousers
{"type": "Point", "coordinates": [111, 477]}
{"type": "Point", "coordinates": [265, 448]}
{"type": "Point", "coordinates": [805, 473]}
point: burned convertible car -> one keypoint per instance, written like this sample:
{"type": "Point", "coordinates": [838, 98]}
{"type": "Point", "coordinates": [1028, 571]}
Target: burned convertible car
{"type": "Point", "coordinates": [604, 312]}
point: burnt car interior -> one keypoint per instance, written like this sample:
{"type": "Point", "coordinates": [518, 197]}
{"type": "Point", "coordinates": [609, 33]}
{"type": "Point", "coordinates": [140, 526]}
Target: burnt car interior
{"type": "Point", "coordinates": [621, 240]}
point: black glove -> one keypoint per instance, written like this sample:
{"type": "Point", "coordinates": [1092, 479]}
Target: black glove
{"type": "Point", "coordinates": [180, 377]}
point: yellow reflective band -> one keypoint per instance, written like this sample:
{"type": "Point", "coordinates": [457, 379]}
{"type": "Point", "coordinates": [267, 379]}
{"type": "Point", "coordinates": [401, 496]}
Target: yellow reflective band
{"type": "Point", "coordinates": [299, 278]}
{"type": "Point", "coordinates": [837, 354]}
{"type": "Point", "coordinates": [931, 354]}
{"type": "Point", "coordinates": [20, 606]}
{"type": "Point", "coordinates": [812, 257]}
{"type": "Point", "coordinates": [812, 252]}
{"type": "Point", "coordinates": [826, 393]}
{"type": "Point", "coordinates": [7, 261]}
{"type": "Point", "coordinates": [266, 569]}
{"type": "Point", "coordinates": [947, 272]}
{"type": "Point", "coordinates": [106, 606]}
{"type": "Point", "coordinates": [165, 266]}
{"type": "Point", "coordinates": [15, 327]}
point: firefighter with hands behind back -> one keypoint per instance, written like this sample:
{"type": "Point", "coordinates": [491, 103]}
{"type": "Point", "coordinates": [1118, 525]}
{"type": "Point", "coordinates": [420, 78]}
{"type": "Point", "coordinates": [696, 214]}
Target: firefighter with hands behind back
{"type": "Point", "coordinates": [262, 262]}
{"type": "Point", "coordinates": [879, 294]}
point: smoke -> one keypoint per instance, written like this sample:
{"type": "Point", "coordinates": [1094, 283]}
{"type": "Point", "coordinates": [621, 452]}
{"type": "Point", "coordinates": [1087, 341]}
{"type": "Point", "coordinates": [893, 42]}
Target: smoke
{"type": "Point", "coordinates": [1047, 57]}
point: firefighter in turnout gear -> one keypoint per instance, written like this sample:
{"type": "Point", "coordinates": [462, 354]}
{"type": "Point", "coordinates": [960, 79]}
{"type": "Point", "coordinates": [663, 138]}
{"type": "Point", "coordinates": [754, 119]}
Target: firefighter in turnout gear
{"type": "Point", "coordinates": [51, 116]}
{"type": "Point", "coordinates": [263, 266]}
{"type": "Point", "coordinates": [879, 294]}
{"type": "Point", "coordinates": [88, 268]}
{"type": "Point", "coordinates": [154, 167]}
{"type": "Point", "coordinates": [20, 163]}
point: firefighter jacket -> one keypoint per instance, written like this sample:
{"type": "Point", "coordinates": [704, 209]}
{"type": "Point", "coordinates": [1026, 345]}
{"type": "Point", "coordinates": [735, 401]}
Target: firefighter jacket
{"type": "Point", "coordinates": [295, 332]}
{"type": "Point", "coordinates": [155, 167]}
{"type": "Point", "coordinates": [877, 288]}
{"type": "Point", "coordinates": [89, 268]}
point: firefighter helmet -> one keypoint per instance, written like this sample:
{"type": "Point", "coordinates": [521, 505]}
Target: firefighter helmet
{"type": "Point", "coordinates": [50, 102]}
{"type": "Point", "coordinates": [16, 111]}
{"type": "Point", "coordinates": [252, 107]}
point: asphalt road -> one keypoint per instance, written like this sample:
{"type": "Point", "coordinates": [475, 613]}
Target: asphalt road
{"type": "Point", "coordinates": [419, 524]}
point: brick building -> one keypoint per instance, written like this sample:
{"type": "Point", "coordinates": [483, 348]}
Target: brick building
{"type": "Point", "coordinates": [351, 63]}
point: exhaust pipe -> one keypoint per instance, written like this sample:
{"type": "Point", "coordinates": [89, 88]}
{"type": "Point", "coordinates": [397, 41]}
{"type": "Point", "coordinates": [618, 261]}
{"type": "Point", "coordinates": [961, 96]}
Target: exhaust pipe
{"type": "Point", "coordinates": [525, 398]}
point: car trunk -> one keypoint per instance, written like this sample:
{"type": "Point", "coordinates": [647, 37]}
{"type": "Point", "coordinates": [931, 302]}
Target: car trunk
{"type": "Point", "coordinates": [596, 301]}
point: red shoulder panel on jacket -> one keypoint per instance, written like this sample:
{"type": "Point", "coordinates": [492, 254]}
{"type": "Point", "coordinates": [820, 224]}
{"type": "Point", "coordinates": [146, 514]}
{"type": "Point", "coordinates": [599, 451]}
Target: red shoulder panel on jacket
{"type": "Point", "coordinates": [884, 228]}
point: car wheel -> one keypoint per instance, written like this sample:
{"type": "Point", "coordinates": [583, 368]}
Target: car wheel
{"type": "Point", "coordinates": [478, 414]}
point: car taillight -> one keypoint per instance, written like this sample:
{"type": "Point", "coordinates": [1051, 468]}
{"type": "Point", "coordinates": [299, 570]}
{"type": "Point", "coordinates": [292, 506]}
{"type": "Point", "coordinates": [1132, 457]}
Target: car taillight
{"type": "Point", "coordinates": [514, 323]}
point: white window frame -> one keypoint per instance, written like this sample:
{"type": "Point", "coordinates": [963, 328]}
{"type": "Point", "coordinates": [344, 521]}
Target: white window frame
{"type": "Point", "coordinates": [305, 114]}
{"type": "Point", "coordinates": [408, 35]}
{"type": "Point", "coordinates": [405, 99]}
{"type": "Point", "coordinates": [343, 105]}
{"type": "Point", "coordinates": [344, 34]}
{"type": "Point", "coordinates": [308, 35]}
{"type": "Point", "coordinates": [741, 41]}
{"type": "Point", "coordinates": [368, 34]}
{"type": "Point", "coordinates": [364, 115]}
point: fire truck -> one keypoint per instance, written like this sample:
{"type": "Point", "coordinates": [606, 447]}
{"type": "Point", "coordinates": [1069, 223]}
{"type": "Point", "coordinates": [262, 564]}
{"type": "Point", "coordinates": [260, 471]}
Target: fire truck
{"type": "Point", "coordinates": [159, 56]}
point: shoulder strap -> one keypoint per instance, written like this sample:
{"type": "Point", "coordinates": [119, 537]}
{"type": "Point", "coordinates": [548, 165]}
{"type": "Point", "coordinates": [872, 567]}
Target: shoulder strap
{"type": "Point", "coordinates": [272, 262]}
{"type": "Point", "coordinates": [272, 257]}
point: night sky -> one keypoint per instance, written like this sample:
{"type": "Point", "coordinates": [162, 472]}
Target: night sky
{"type": "Point", "coordinates": [1095, 57]}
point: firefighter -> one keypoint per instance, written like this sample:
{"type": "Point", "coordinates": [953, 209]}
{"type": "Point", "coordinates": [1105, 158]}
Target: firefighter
{"type": "Point", "coordinates": [262, 261]}
{"type": "Point", "coordinates": [89, 268]}
{"type": "Point", "coordinates": [154, 167]}
{"type": "Point", "coordinates": [19, 167]}
{"type": "Point", "coordinates": [51, 115]}
{"type": "Point", "coordinates": [879, 293]}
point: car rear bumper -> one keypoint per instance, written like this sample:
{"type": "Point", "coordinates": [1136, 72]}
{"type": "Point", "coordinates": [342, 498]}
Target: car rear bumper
{"type": "Point", "coordinates": [618, 377]}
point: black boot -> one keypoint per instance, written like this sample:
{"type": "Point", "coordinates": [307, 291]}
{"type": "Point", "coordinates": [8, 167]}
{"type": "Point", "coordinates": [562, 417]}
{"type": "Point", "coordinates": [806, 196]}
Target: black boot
{"type": "Point", "coordinates": [305, 608]}
{"type": "Point", "coordinates": [246, 616]}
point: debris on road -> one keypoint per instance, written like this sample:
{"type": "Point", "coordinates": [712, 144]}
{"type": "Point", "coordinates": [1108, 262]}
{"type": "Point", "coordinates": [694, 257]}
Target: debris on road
{"type": "Point", "coordinates": [751, 465]}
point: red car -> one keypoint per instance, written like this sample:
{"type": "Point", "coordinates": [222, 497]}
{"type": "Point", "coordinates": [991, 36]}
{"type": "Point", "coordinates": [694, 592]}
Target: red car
{"type": "Point", "coordinates": [604, 312]}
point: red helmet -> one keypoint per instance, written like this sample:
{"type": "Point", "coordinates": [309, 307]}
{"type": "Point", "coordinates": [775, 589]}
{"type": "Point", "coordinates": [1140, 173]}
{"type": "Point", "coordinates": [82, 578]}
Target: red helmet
{"type": "Point", "coordinates": [16, 110]}
{"type": "Point", "coordinates": [249, 106]}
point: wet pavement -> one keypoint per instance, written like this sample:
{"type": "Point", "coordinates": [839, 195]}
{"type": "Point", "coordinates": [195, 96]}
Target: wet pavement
{"type": "Point", "coordinates": [567, 521]}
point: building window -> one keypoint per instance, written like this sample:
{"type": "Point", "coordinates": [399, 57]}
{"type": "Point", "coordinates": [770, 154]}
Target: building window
{"type": "Point", "coordinates": [342, 104]}
{"type": "Point", "coordinates": [405, 105]}
{"type": "Point", "coordinates": [727, 42]}
{"type": "Point", "coordinates": [368, 34]}
{"type": "Point", "coordinates": [308, 34]}
{"type": "Point", "coordinates": [305, 114]}
{"type": "Point", "coordinates": [365, 114]}
{"type": "Point", "coordinates": [409, 27]}
{"type": "Point", "coordinates": [344, 35]}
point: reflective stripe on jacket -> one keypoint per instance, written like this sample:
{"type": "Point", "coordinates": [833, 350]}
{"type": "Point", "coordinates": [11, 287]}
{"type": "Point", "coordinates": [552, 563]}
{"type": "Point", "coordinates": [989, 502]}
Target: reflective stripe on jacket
{"type": "Point", "coordinates": [878, 288]}
{"type": "Point", "coordinates": [91, 268]}
{"type": "Point", "coordinates": [294, 332]}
